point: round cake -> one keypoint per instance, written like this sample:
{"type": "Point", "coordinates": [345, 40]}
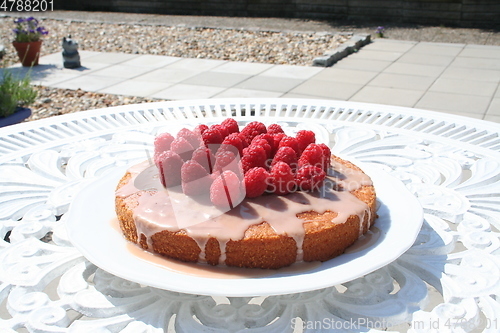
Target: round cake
{"type": "Point", "coordinates": [247, 213]}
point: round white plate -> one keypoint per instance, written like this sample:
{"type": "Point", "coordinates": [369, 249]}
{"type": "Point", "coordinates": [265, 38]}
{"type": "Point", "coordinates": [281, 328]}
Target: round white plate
{"type": "Point", "coordinates": [90, 230]}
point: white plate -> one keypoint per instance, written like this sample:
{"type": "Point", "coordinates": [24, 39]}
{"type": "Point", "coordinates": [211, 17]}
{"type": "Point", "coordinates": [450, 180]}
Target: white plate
{"type": "Point", "coordinates": [91, 231]}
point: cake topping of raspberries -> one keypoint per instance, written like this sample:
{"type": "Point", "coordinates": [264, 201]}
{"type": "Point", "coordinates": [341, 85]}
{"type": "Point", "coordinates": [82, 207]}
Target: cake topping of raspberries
{"type": "Point", "coordinates": [255, 182]}
{"type": "Point", "coordinates": [304, 138]}
{"type": "Point", "coordinates": [327, 156]}
{"type": "Point", "coordinates": [204, 157]}
{"type": "Point", "coordinates": [182, 147]}
{"type": "Point", "coordinates": [261, 142]}
{"type": "Point", "coordinates": [312, 155]}
{"type": "Point", "coordinates": [212, 136]}
{"type": "Point", "coordinates": [200, 129]}
{"type": "Point", "coordinates": [291, 142]}
{"type": "Point", "coordinates": [281, 179]}
{"type": "Point", "coordinates": [287, 155]}
{"type": "Point", "coordinates": [221, 162]}
{"type": "Point", "coordinates": [230, 125]}
{"type": "Point", "coordinates": [253, 129]}
{"type": "Point", "coordinates": [234, 140]}
{"type": "Point", "coordinates": [274, 128]}
{"type": "Point", "coordinates": [195, 179]}
{"type": "Point", "coordinates": [169, 165]}
{"type": "Point", "coordinates": [253, 156]}
{"type": "Point", "coordinates": [226, 191]}
{"type": "Point", "coordinates": [222, 159]}
{"type": "Point", "coordinates": [162, 142]}
{"type": "Point", "coordinates": [193, 138]}
{"type": "Point", "coordinates": [310, 177]}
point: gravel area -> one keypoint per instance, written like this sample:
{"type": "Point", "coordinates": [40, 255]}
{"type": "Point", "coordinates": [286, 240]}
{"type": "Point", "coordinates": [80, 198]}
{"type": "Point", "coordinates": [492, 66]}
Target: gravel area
{"type": "Point", "coordinates": [293, 48]}
{"type": "Point", "coordinates": [250, 45]}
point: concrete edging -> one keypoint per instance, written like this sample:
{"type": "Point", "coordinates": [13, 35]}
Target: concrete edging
{"type": "Point", "coordinates": [352, 45]}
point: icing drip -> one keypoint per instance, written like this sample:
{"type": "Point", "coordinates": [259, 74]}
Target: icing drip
{"type": "Point", "coordinates": [171, 210]}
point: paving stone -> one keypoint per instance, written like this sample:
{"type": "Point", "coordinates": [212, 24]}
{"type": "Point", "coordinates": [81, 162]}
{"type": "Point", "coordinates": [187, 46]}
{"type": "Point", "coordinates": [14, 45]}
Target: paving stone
{"type": "Point", "coordinates": [389, 96]}
{"type": "Point", "coordinates": [327, 89]}
{"type": "Point", "coordinates": [187, 91]}
{"type": "Point", "coordinates": [269, 83]}
{"type": "Point", "coordinates": [402, 81]}
{"type": "Point", "coordinates": [335, 74]}
{"type": "Point", "coordinates": [457, 86]}
{"type": "Point", "coordinates": [442, 101]}
{"type": "Point", "coordinates": [216, 79]}
{"type": "Point", "coordinates": [415, 69]}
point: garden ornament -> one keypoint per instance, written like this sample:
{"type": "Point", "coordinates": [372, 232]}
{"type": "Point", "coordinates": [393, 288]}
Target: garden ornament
{"type": "Point", "coordinates": [70, 53]}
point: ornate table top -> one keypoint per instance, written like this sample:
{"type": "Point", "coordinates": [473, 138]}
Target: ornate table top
{"type": "Point", "coordinates": [449, 280]}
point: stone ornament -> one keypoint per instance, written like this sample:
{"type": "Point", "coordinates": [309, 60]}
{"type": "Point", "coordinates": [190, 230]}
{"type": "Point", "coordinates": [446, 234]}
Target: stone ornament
{"type": "Point", "coordinates": [447, 281]}
{"type": "Point", "coordinates": [70, 54]}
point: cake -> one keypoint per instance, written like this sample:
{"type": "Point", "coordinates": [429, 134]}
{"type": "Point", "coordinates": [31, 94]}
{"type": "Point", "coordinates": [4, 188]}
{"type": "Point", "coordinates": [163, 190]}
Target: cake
{"type": "Point", "coordinates": [255, 198]}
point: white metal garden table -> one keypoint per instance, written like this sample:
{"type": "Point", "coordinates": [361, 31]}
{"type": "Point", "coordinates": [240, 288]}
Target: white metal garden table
{"type": "Point", "coordinates": [448, 280]}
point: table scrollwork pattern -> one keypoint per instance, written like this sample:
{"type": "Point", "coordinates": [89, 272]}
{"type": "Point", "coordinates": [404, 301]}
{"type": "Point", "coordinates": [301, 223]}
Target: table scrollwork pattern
{"type": "Point", "coordinates": [447, 281]}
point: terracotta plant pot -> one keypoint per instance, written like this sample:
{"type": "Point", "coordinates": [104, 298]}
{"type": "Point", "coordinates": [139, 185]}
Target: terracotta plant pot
{"type": "Point", "coordinates": [28, 52]}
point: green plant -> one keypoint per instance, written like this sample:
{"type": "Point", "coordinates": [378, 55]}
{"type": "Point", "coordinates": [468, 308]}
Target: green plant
{"type": "Point", "coordinates": [15, 93]}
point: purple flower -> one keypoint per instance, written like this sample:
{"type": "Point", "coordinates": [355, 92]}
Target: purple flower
{"type": "Point", "coordinates": [28, 30]}
{"type": "Point", "coordinates": [42, 31]}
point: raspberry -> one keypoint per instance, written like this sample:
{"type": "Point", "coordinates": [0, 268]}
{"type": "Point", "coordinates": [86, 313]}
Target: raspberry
{"type": "Point", "coordinates": [223, 131]}
{"type": "Point", "coordinates": [234, 140]}
{"type": "Point", "coordinates": [312, 155]}
{"type": "Point", "coordinates": [291, 142]}
{"type": "Point", "coordinates": [182, 147]}
{"type": "Point", "coordinates": [212, 136]}
{"type": "Point", "coordinates": [253, 129]}
{"type": "Point", "coordinates": [246, 138]}
{"type": "Point", "coordinates": [287, 155]}
{"type": "Point", "coordinates": [195, 179]}
{"type": "Point", "coordinates": [264, 144]}
{"type": "Point", "coordinates": [226, 191]}
{"type": "Point", "coordinates": [309, 177]}
{"type": "Point", "coordinates": [162, 143]}
{"type": "Point", "coordinates": [193, 138]}
{"type": "Point", "coordinates": [327, 156]}
{"type": "Point", "coordinates": [274, 129]}
{"type": "Point", "coordinates": [304, 138]}
{"type": "Point", "coordinates": [268, 137]}
{"type": "Point", "coordinates": [169, 165]}
{"type": "Point", "coordinates": [281, 180]}
{"type": "Point", "coordinates": [276, 140]}
{"type": "Point", "coordinates": [256, 182]}
{"type": "Point", "coordinates": [253, 156]}
{"type": "Point", "coordinates": [200, 129]}
{"type": "Point", "coordinates": [204, 157]}
{"type": "Point", "coordinates": [223, 159]}
{"type": "Point", "coordinates": [231, 125]}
